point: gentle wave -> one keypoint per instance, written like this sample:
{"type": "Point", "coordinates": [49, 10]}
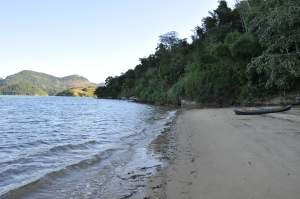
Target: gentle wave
{"type": "Point", "coordinates": [18, 190]}
{"type": "Point", "coordinates": [67, 147]}
{"type": "Point", "coordinates": [51, 151]}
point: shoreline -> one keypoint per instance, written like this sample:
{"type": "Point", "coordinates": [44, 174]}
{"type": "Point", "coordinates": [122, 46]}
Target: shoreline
{"type": "Point", "coordinates": [216, 154]}
{"type": "Point", "coordinates": [291, 98]}
{"type": "Point", "coordinates": [164, 145]}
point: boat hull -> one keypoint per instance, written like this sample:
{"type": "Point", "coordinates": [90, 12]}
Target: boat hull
{"type": "Point", "coordinates": [260, 111]}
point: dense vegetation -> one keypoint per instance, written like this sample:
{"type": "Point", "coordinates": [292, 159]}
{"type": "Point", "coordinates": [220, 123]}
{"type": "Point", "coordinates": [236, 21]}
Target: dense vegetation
{"type": "Point", "coordinates": [236, 55]}
{"type": "Point", "coordinates": [34, 83]}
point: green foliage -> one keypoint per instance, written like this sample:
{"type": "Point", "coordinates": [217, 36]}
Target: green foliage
{"type": "Point", "coordinates": [22, 89]}
{"type": "Point", "coordinates": [237, 53]}
{"type": "Point", "coordinates": [192, 80]}
{"type": "Point", "coordinates": [210, 83]}
{"type": "Point", "coordinates": [221, 50]}
{"type": "Point", "coordinates": [277, 67]}
{"type": "Point", "coordinates": [275, 72]}
{"type": "Point", "coordinates": [232, 38]}
{"type": "Point", "coordinates": [245, 47]}
{"type": "Point", "coordinates": [176, 92]}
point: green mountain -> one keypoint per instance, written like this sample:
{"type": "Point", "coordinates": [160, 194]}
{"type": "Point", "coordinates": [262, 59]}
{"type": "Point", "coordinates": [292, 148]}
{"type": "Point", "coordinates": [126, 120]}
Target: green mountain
{"type": "Point", "coordinates": [34, 83]}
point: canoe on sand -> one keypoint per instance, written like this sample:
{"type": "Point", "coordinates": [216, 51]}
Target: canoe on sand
{"type": "Point", "coordinates": [261, 110]}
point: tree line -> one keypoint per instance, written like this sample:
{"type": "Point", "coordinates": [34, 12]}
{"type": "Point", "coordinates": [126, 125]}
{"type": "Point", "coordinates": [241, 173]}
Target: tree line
{"type": "Point", "coordinates": [238, 54]}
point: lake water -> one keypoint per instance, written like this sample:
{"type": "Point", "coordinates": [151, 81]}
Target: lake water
{"type": "Point", "coordinates": [64, 147]}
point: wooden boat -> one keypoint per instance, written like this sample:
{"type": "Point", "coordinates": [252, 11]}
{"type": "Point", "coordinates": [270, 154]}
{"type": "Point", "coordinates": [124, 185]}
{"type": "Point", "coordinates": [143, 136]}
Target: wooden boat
{"type": "Point", "coordinates": [262, 110]}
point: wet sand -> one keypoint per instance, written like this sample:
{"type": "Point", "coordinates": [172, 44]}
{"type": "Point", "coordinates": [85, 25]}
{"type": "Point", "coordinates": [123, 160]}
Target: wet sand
{"type": "Point", "coordinates": [223, 156]}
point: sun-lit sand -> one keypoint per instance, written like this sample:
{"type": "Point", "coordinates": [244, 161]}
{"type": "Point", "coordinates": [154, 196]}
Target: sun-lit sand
{"type": "Point", "coordinates": [219, 155]}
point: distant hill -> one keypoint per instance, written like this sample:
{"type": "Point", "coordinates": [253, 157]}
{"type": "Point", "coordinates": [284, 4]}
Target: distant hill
{"type": "Point", "coordinates": [79, 92]}
{"type": "Point", "coordinates": [34, 83]}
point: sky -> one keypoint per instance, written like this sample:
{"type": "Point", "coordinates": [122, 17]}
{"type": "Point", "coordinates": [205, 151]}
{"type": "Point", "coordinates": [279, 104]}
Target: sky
{"type": "Point", "coordinates": [92, 38]}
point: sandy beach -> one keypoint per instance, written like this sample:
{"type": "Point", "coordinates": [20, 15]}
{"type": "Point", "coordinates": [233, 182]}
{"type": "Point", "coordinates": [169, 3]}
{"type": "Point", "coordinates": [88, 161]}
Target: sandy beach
{"type": "Point", "coordinates": [219, 155]}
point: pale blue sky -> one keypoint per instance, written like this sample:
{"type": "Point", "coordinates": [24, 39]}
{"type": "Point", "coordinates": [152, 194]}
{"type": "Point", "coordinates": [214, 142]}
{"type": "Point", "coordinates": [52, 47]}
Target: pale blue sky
{"type": "Point", "coordinates": [93, 38]}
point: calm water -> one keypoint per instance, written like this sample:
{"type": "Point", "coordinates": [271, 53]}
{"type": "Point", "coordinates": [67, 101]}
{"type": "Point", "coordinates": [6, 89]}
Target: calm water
{"type": "Point", "coordinates": [60, 147]}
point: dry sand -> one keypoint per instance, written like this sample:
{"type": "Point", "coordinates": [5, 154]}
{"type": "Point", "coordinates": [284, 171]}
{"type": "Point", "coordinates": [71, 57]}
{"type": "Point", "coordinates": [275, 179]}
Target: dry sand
{"type": "Point", "coordinates": [219, 155]}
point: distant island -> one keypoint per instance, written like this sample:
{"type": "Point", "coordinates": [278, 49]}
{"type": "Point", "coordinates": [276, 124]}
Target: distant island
{"type": "Point", "coordinates": [40, 84]}
{"type": "Point", "coordinates": [79, 92]}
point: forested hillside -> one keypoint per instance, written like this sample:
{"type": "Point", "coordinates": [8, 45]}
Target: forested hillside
{"type": "Point", "coordinates": [34, 83]}
{"type": "Point", "coordinates": [237, 54]}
